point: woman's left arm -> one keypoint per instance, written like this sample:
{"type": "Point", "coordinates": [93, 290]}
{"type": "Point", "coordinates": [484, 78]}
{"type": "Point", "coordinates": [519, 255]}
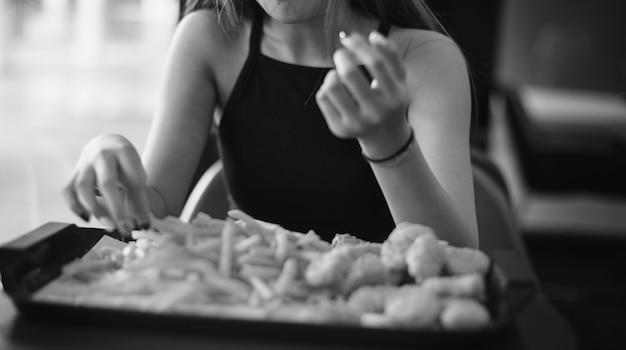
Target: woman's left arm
{"type": "Point", "coordinates": [425, 89]}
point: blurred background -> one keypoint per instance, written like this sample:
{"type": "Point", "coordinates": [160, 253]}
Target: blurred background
{"type": "Point", "coordinates": [71, 70]}
{"type": "Point", "coordinates": [550, 79]}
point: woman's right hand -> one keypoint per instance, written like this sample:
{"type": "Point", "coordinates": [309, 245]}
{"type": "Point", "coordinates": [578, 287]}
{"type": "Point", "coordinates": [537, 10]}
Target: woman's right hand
{"type": "Point", "coordinates": [110, 182]}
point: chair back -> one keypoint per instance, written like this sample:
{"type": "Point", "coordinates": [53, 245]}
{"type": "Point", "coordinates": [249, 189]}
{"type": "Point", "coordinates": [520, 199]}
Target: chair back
{"type": "Point", "coordinates": [497, 225]}
{"type": "Point", "coordinates": [209, 195]}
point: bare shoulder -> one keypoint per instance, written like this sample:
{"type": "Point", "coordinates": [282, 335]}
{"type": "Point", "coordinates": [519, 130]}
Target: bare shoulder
{"type": "Point", "coordinates": [437, 74]}
{"type": "Point", "coordinates": [421, 48]}
{"type": "Point", "coordinates": [200, 31]}
{"type": "Point", "coordinates": [434, 63]}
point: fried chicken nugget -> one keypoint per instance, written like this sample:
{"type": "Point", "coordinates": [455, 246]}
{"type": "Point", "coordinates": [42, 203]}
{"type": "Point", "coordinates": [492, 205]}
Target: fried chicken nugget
{"type": "Point", "coordinates": [413, 307]}
{"type": "Point", "coordinates": [370, 299]}
{"type": "Point", "coordinates": [345, 238]}
{"type": "Point", "coordinates": [393, 249]}
{"type": "Point", "coordinates": [329, 267]}
{"type": "Point", "coordinates": [365, 270]}
{"type": "Point", "coordinates": [425, 258]}
{"type": "Point", "coordinates": [465, 286]}
{"type": "Point", "coordinates": [464, 314]}
{"type": "Point", "coordinates": [461, 261]}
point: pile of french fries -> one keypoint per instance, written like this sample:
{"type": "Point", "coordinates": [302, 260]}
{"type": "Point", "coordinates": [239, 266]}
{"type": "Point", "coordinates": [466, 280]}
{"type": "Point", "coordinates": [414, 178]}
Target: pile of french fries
{"type": "Point", "coordinates": [270, 258]}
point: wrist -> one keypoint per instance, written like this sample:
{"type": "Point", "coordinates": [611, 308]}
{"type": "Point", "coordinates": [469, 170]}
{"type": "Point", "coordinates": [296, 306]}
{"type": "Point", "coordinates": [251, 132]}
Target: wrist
{"type": "Point", "coordinates": [385, 142]}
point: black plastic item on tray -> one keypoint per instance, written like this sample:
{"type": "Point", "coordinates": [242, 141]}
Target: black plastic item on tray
{"type": "Point", "coordinates": [35, 259]}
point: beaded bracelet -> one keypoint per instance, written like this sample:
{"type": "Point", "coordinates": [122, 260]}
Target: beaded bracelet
{"type": "Point", "coordinates": [396, 157]}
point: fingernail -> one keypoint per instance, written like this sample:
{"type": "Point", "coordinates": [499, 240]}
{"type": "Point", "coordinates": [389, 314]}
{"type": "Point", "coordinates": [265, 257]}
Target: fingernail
{"type": "Point", "coordinates": [342, 35]}
{"type": "Point", "coordinates": [376, 37]}
{"type": "Point", "coordinates": [85, 217]}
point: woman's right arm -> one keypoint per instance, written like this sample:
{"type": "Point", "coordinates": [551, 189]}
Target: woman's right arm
{"type": "Point", "coordinates": [130, 189]}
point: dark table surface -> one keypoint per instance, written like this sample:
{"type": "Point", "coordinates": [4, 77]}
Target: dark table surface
{"type": "Point", "coordinates": [539, 326]}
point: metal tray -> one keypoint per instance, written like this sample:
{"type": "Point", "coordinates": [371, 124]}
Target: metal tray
{"type": "Point", "coordinates": [36, 258]}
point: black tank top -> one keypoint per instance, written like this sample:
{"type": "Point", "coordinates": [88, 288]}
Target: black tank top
{"type": "Point", "coordinates": [282, 163]}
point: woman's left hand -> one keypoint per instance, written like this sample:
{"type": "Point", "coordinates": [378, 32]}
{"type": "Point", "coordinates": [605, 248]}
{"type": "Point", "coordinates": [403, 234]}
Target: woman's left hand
{"type": "Point", "coordinates": [374, 113]}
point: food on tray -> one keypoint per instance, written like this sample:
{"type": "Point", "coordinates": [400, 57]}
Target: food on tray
{"type": "Point", "coordinates": [246, 268]}
{"type": "Point", "coordinates": [425, 257]}
{"type": "Point", "coordinates": [464, 314]}
{"type": "Point", "coordinates": [393, 250]}
{"type": "Point", "coordinates": [460, 261]}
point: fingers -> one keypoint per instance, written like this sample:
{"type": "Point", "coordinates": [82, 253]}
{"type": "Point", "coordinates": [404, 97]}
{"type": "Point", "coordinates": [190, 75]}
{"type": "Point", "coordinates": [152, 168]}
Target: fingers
{"type": "Point", "coordinates": [110, 183]}
{"type": "Point", "coordinates": [110, 186]}
{"type": "Point", "coordinates": [136, 192]}
{"type": "Point", "coordinates": [341, 111]}
{"type": "Point", "coordinates": [374, 61]}
{"type": "Point", "coordinates": [390, 52]}
{"type": "Point", "coordinates": [338, 95]}
{"type": "Point", "coordinates": [331, 114]}
{"type": "Point", "coordinates": [352, 76]}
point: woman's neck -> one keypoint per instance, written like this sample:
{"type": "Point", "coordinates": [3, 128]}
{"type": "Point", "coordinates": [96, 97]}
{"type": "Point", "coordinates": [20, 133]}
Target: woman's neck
{"type": "Point", "coordinates": [306, 43]}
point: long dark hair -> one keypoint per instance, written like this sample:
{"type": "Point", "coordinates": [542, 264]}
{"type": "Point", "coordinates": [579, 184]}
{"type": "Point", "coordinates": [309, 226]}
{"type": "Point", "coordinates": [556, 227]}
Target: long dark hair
{"type": "Point", "coordinates": [401, 13]}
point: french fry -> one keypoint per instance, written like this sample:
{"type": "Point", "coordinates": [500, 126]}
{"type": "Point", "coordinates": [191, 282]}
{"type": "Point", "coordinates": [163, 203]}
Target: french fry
{"type": "Point", "coordinates": [238, 288]}
{"type": "Point", "coordinates": [282, 245]}
{"type": "Point", "coordinates": [255, 299]}
{"type": "Point", "coordinates": [248, 243]}
{"type": "Point", "coordinates": [262, 288]}
{"type": "Point", "coordinates": [226, 255]}
{"type": "Point", "coordinates": [212, 255]}
{"type": "Point", "coordinates": [148, 234]}
{"type": "Point", "coordinates": [286, 277]}
{"type": "Point", "coordinates": [262, 250]}
{"type": "Point", "coordinates": [173, 295]}
{"type": "Point", "coordinates": [207, 245]}
{"type": "Point", "coordinates": [207, 225]}
{"type": "Point", "coordinates": [257, 259]}
{"type": "Point", "coordinates": [174, 226]}
{"type": "Point", "coordinates": [260, 271]}
{"type": "Point", "coordinates": [249, 220]}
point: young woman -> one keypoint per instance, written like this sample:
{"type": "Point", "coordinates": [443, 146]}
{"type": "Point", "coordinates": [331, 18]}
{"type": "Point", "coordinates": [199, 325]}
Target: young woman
{"type": "Point", "coordinates": [332, 115]}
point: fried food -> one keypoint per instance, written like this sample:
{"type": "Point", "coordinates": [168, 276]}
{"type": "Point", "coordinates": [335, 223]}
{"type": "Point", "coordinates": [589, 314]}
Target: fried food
{"type": "Point", "coordinates": [370, 299]}
{"type": "Point", "coordinates": [245, 268]}
{"type": "Point", "coordinates": [329, 267]}
{"type": "Point", "coordinates": [465, 286]}
{"type": "Point", "coordinates": [464, 314]}
{"type": "Point", "coordinates": [365, 270]}
{"type": "Point", "coordinates": [461, 261]}
{"type": "Point", "coordinates": [425, 258]}
{"type": "Point", "coordinates": [345, 238]}
{"type": "Point", "coordinates": [337, 313]}
{"type": "Point", "coordinates": [413, 307]}
{"type": "Point", "coordinates": [393, 250]}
